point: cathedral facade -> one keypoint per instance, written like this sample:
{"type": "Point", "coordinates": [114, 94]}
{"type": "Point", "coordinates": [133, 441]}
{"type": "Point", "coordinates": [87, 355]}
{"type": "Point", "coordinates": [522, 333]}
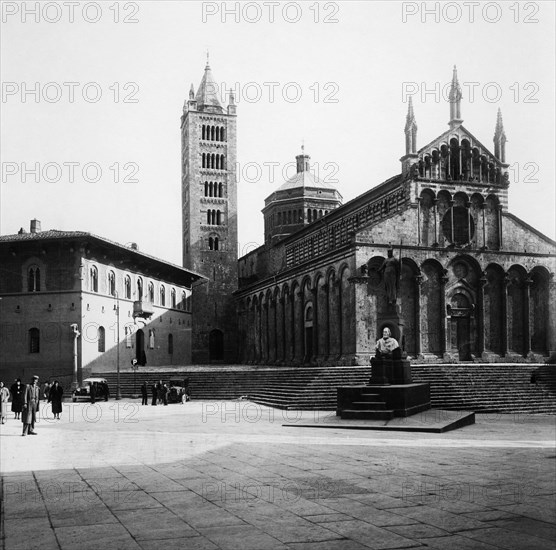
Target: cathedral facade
{"type": "Point", "coordinates": [474, 283]}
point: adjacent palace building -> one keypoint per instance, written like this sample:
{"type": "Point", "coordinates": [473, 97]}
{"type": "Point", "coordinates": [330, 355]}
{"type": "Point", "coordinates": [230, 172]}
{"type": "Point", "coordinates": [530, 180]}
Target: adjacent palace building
{"type": "Point", "coordinates": [475, 282]}
{"type": "Point", "coordinates": [72, 303]}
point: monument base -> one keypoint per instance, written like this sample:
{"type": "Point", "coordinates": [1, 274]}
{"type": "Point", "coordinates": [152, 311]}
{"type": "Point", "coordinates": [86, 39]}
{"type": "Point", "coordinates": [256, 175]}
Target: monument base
{"type": "Point", "coordinates": [384, 402]}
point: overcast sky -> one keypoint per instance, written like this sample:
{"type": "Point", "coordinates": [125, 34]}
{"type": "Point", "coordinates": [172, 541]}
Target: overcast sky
{"type": "Point", "coordinates": [331, 74]}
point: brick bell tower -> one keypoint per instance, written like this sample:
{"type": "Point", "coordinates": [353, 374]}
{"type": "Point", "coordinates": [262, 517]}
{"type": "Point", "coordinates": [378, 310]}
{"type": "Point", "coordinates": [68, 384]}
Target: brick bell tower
{"type": "Point", "coordinates": [209, 218]}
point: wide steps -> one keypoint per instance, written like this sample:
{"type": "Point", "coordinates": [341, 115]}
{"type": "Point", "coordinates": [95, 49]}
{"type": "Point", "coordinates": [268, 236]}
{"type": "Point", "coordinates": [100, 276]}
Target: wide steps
{"type": "Point", "coordinates": [485, 387]}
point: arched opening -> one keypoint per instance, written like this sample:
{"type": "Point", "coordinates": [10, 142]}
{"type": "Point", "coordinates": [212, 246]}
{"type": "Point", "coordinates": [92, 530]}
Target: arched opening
{"type": "Point", "coordinates": [460, 311]}
{"type": "Point", "coordinates": [216, 345]}
{"type": "Point", "coordinates": [140, 348]}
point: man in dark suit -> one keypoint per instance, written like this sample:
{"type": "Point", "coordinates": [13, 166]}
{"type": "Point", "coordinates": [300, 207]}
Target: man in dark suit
{"type": "Point", "coordinates": [144, 394]}
{"type": "Point", "coordinates": [31, 399]}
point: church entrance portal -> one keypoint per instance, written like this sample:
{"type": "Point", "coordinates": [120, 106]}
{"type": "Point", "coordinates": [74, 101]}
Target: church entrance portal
{"type": "Point", "coordinates": [460, 312]}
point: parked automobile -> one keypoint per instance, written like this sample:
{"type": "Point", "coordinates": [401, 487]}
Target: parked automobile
{"type": "Point", "coordinates": [178, 388]}
{"type": "Point", "coordinates": [84, 391]}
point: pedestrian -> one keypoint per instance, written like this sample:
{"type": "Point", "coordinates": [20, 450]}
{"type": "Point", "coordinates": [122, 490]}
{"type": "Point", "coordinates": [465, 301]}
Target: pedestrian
{"type": "Point", "coordinates": [187, 390]}
{"type": "Point", "coordinates": [160, 392]}
{"type": "Point", "coordinates": [17, 390]}
{"type": "Point", "coordinates": [93, 391]}
{"type": "Point", "coordinates": [105, 390]}
{"type": "Point", "coordinates": [4, 398]}
{"type": "Point", "coordinates": [144, 394]}
{"type": "Point", "coordinates": [31, 400]}
{"type": "Point", "coordinates": [55, 397]}
{"type": "Point", "coordinates": [46, 391]}
{"type": "Point", "coordinates": [154, 390]}
{"type": "Point", "coordinates": [165, 393]}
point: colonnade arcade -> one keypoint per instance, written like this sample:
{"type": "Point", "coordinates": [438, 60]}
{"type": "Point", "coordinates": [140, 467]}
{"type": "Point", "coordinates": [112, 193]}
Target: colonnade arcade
{"type": "Point", "coordinates": [465, 311]}
{"type": "Point", "coordinates": [459, 311]}
{"type": "Point", "coordinates": [302, 321]}
{"type": "Point", "coordinates": [460, 160]}
{"type": "Point", "coordinates": [459, 220]}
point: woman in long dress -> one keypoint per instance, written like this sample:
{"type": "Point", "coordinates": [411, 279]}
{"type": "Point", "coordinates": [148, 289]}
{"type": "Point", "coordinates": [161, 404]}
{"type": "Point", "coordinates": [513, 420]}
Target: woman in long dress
{"type": "Point", "coordinates": [17, 390]}
{"type": "Point", "coordinates": [4, 398]}
{"type": "Point", "coordinates": [55, 397]}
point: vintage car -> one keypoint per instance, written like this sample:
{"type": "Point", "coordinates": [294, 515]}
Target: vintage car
{"type": "Point", "coordinates": [178, 389]}
{"type": "Point", "coordinates": [84, 390]}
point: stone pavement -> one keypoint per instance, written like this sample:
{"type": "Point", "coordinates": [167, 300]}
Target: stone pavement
{"type": "Point", "coordinates": [228, 475]}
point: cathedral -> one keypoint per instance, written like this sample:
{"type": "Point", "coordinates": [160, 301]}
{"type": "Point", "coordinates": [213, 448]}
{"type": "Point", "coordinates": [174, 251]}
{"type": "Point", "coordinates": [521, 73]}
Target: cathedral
{"type": "Point", "coordinates": [473, 282]}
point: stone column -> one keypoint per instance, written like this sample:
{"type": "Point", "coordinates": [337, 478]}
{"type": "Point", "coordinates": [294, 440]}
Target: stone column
{"type": "Point", "coordinates": [443, 321]}
{"type": "Point", "coordinates": [527, 315]}
{"type": "Point", "coordinates": [483, 208]}
{"type": "Point", "coordinates": [363, 342]}
{"type": "Point", "coordinates": [504, 314]}
{"type": "Point", "coordinates": [315, 300]}
{"type": "Point", "coordinates": [435, 209]}
{"type": "Point", "coordinates": [418, 220]}
{"type": "Point", "coordinates": [264, 322]}
{"type": "Point", "coordinates": [292, 325]}
{"type": "Point", "coordinates": [499, 214]}
{"type": "Point", "coordinates": [418, 279]}
{"type": "Point", "coordinates": [481, 313]}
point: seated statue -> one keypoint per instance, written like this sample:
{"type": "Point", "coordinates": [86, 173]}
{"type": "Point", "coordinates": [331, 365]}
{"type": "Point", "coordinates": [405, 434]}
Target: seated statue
{"type": "Point", "coordinates": [387, 347]}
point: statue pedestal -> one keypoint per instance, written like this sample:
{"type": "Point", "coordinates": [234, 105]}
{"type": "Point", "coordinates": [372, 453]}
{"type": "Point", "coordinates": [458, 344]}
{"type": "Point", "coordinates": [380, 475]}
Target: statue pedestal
{"type": "Point", "coordinates": [390, 392]}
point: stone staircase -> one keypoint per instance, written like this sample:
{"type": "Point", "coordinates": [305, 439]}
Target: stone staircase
{"type": "Point", "coordinates": [492, 387]}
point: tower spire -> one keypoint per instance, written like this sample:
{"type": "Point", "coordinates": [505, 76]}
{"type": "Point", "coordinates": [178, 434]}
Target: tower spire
{"type": "Point", "coordinates": [410, 130]}
{"type": "Point", "coordinates": [455, 101]}
{"type": "Point", "coordinates": [500, 138]}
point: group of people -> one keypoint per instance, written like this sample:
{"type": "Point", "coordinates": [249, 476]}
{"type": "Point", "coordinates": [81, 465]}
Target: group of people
{"type": "Point", "coordinates": [25, 400]}
{"type": "Point", "coordinates": [160, 392]}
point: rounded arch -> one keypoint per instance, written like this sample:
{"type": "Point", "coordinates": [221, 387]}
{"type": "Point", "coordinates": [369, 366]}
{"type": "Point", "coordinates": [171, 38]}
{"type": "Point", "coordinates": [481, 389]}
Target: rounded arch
{"type": "Point", "coordinates": [540, 299]}
{"type": "Point", "coordinates": [432, 313]}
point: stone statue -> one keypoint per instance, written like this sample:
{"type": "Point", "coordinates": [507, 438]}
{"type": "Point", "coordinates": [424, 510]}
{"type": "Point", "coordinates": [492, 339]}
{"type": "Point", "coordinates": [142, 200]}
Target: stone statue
{"type": "Point", "coordinates": [391, 273]}
{"type": "Point", "coordinates": [387, 347]}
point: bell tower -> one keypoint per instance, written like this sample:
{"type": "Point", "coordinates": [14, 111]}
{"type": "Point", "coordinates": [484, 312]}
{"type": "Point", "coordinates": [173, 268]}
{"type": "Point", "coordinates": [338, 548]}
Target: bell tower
{"type": "Point", "coordinates": [209, 217]}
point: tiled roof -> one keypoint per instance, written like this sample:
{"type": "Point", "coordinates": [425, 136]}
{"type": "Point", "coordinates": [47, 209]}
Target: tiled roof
{"type": "Point", "coordinates": [54, 234]}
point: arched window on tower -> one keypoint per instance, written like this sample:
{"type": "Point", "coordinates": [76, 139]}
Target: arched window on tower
{"type": "Point", "coordinates": [222, 162]}
{"type": "Point", "coordinates": [182, 303]}
{"type": "Point", "coordinates": [173, 295]}
{"type": "Point", "coordinates": [33, 279]}
{"type": "Point", "coordinates": [220, 190]}
{"type": "Point", "coordinates": [212, 133]}
{"type": "Point", "coordinates": [208, 217]}
{"type": "Point", "coordinates": [162, 295]}
{"type": "Point", "coordinates": [206, 189]}
{"type": "Point", "coordinates": [211, 243]}
{"type": "Point", "coordinates": [139, 288]}
{"type": "Point", "coordinates": [218, 217]}
{"type": "Point", "coordinates": [203, 132]}
{"type": "Point", "coordinates": [218, 162]}
{"type": "Point", "coordinates": [223, 134]}
{"type": "Point", "coordinates": [150, 292]}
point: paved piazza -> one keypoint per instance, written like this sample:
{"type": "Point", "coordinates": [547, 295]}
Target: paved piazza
{"type": "Point", "coordinates": [228, 475]}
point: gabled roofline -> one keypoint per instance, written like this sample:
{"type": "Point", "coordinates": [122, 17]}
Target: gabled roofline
{"type": "Point", "coordinates": [529, 227]}
{"type": "Point", "coordinates": [451, 131]}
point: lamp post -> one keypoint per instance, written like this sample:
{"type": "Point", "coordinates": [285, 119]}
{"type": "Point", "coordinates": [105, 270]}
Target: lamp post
{"type": "Point", "coordinates": [118, 390]}
{"type": "Point", "coordinates": [76, 334]}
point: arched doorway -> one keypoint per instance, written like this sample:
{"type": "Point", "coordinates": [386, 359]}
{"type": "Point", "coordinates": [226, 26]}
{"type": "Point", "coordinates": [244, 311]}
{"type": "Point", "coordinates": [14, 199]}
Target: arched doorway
{"type": "Point", "coordinates": [460, 313]}
{"type": "Point", "coordinates": [140, 347]}
{"type": "Point", "coordinates": [216, 345]}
